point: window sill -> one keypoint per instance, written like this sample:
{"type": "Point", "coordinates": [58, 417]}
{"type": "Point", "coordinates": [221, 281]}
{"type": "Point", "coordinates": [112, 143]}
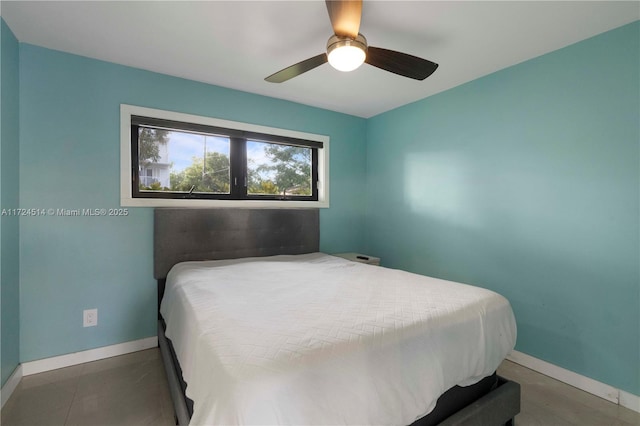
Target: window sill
{"type": "Point", "coordinates": [253, 204]}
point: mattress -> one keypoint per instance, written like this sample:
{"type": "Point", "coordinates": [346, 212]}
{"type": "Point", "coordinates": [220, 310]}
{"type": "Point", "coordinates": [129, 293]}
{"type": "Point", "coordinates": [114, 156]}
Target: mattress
{"type": "Point", "coordinates": [316, 339]}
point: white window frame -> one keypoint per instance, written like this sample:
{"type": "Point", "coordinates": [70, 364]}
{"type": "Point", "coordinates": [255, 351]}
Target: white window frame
{"type": "Point", "coordinates": [126, 197]}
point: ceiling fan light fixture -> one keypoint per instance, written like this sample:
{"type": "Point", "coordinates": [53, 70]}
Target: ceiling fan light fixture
{"type": "Point", "coordinates": [346, 54]}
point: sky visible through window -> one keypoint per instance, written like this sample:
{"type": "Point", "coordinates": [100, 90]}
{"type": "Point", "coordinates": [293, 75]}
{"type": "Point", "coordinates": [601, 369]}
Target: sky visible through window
{"type": "Point", "coordinates": [183, 147]}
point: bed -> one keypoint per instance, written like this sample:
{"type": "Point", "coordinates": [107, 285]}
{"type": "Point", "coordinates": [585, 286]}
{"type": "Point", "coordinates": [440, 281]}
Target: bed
{"type": "Point", "coordinates": [257, 327]}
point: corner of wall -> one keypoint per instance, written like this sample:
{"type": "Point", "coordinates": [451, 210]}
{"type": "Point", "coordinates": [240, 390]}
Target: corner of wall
{"type": "Point", "coordinates": [9, 199]}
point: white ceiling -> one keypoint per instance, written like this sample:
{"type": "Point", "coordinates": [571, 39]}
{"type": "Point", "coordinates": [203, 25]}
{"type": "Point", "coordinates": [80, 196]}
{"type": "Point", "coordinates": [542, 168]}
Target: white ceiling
{"type": "Point", "coordinates": [236, 44]}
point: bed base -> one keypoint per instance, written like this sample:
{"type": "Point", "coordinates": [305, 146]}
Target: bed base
{"type": "Point", "coordinates": [498, 407]}
{"type": "Point", "coordinates": [491, 402]}
{"type": "Point", "coordinates": [182, 405]}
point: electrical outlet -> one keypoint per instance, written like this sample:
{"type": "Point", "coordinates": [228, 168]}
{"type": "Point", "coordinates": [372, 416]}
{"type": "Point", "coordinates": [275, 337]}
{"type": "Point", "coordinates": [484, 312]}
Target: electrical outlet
{"type": "Point", "coordinates": [90, 318]}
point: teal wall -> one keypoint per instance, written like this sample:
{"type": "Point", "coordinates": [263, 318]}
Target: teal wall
{"type": "Point", "coordinates": [9, 225]}
{"type": "Point", "coordinates": [70, 158]}
{"type": "Point", "coordinates": [526, 181]}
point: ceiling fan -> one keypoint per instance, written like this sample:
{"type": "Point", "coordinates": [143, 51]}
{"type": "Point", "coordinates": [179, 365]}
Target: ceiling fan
{"type": "Point", "coordinates": [347, 49]}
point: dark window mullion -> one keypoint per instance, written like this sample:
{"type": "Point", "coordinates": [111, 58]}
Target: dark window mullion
{"type": "Point", "coordinates": [314, 174]}
{"type": "Point", "coordinates": [238, 168]}
{"type": "Point", "coordinates": [135, 165]}
{"type": "Point", "coordinates": [282, 140]}
{"type": "Point", "coordinates": [158, 123]}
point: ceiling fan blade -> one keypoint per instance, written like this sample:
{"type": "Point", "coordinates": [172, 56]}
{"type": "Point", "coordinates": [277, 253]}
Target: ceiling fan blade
{"type": "Point", "coordinates": [345, 16]}
{"type": "Point", "coordinates": [400, 63]}
{"type": "Point", "coordinates": [297, 69]}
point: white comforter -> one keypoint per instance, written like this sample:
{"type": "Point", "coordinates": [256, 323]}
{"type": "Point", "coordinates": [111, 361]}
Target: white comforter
{"type": "Point", "coordinates": [315, 339]}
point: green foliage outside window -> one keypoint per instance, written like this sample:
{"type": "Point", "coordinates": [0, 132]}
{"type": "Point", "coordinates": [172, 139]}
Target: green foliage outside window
{"type": "Point", "coordinates": [212, 176]}
{"type": "Point", "coordinates": [288, 173]}
{"type": "Point", "coordinates": [149, 141]}
{"type": "Point", "coordinates": [284, 170]}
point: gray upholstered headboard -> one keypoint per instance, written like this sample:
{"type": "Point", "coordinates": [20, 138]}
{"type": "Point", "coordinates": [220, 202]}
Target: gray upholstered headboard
{"type": "Point", "coordinates": [210, 234]}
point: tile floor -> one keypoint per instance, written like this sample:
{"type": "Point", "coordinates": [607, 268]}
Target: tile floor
{"type": "Point", "coordinates": [132, 390]}
{"type": "Point", "coordinates": [548, 402]}
{"type": "Point", "coordinates": [125, 390]}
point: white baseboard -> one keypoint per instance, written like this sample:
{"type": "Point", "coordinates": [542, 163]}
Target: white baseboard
{"type": "Point", "coordinates": [617, 396]}
{"type": "Point", "coordinates": [630, 401]}
{"type": "Point", "coordinates": [53, 363]}
{"type": "Point", "coordinates": [10, 385]}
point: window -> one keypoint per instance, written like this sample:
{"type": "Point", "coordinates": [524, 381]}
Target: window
{"type": "Point", "coordinates": [172, 159]}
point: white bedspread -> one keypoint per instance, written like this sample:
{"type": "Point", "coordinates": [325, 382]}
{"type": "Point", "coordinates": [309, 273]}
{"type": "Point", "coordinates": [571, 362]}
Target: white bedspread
{"type": "Point", "coordinates": [316, 339]}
